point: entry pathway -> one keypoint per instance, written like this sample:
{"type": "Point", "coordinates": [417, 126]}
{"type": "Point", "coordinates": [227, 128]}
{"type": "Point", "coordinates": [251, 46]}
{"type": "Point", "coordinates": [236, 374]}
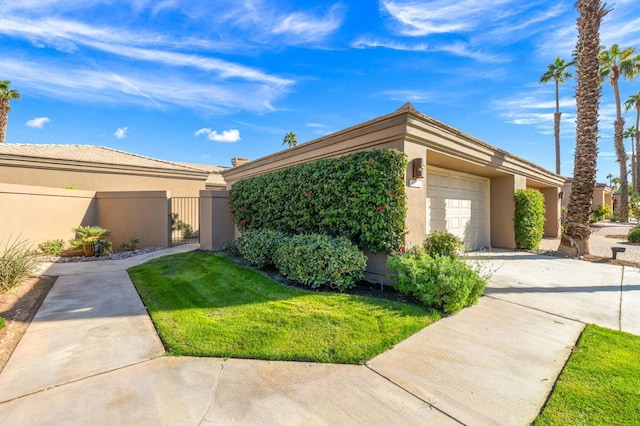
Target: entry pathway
{"type": "Point", "coordinates": [91, 356]}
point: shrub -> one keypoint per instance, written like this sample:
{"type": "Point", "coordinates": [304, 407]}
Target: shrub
{"type": "Point", "coordinates": [131, 245]}
{"type": "Point", "coordinates": [443, 243]}
{"type": "Point", "coordinates": [441, 282]}
{"type": "Point", "coordinates": [231, 248]}
{"type": "Point", "coordinates": [52, 247]}
{"type": "Point", "coordinates": [85, 232]}
{"type": "Point", "coordinates": [634, 235]}
{"type": "Point", "coordinates": [1, 323]}
{"type": "Point", "coordinates": [88, 238]}
{"type": "Point", "coordinates": [259, 247]}
{"type": "Point", "coordinates": [17, 262]}
{"type": "Point", "coordinates": [319, 260]}
{"type": "Point", "coordinates": [601, 213]}
{"type": "Point", "coordinates": [360, 196]}
{"type": "Point", "coordinates": [529, 218]}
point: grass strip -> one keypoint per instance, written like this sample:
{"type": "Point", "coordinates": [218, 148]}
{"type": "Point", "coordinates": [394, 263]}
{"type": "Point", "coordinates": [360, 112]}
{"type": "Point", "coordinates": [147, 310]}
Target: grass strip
{"type": "Point", "coordinates": [206, 305]}
{"type": "Point", "coordinates": [600, 385]}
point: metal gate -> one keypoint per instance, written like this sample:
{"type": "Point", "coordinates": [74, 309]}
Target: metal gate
{"type": "Point", "coordinates": [185, 220]}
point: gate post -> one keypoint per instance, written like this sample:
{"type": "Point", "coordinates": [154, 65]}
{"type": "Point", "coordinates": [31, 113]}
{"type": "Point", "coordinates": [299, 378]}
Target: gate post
{"type": "Point", "coordinates": [216, 222]}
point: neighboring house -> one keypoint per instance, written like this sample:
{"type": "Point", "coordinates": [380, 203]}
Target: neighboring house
{"type": "Point", "coordinates": [97, 168]}
{"type": "Point", "coordinates": [602, 195]}
{"type": "Point", "coordinates": [454, 181]}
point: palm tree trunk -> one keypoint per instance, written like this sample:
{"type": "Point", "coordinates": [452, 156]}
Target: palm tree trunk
{"type": "Point", "coordinates": [556, 127]}
{"type": "Point", "coordinates": [556, 130]}
{"type": "Point", "coordinates": [4, 119]}
{"type": "Point", "coordinates": [621, 153]}
{"type": "Point", "coordinates": [636, 185]}
{"type": "Point", "coordinates": [575, 239]}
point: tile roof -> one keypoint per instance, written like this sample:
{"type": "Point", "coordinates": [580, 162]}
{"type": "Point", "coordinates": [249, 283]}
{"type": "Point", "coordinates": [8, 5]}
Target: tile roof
{"type": "Point", "coordinates": [90, 154]}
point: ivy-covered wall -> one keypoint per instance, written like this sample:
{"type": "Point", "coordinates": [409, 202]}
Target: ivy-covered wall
{"type": "Point", "coordinates": [360, 196]}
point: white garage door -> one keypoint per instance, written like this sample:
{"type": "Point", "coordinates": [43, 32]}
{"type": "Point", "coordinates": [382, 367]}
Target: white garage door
{"type": "Point", "coordinates": [457, 203]}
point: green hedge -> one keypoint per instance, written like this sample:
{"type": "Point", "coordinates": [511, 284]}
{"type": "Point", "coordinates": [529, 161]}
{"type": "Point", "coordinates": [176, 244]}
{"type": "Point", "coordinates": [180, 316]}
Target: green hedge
{"type": "Point", "coordinates": [259, 246]}
{"type": "Point", "coordinates": [319, 260]}
{"type": "Point", "coordinates": [441, 282]}
{"type": "Point", "coordinates": [360, 197]}
{"type": "Point", "coordinates": [529, 218]}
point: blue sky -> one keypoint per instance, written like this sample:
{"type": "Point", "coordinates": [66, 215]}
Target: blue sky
{"type": "Point", "coordinates": [206, 80]}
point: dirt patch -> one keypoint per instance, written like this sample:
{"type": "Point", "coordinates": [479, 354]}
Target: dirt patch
{"type": "Point", "coordinates": [18, 307]}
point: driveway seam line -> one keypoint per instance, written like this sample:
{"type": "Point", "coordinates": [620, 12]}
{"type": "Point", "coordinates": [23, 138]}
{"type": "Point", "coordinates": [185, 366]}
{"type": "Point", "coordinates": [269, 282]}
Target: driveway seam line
{"type": "Point", "coordinates": [431, 405]}
{"type": "Point", "coordinates": [59, 385]}
{"type": "Point", "coordinates": [536, 309]}
{"type": "Point", "coordinates": [213, 395]}
{"type": "Point", "coordinates": [620, 304]}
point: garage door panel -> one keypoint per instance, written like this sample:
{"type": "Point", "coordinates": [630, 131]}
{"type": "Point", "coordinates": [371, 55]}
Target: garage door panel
{"type": "Point", "coordinates": [457, 204]}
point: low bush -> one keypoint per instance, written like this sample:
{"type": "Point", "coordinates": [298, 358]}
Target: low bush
{"type": "Point", "coordinates": [1, 323]}
{"type": "Point", "coordinates": [231, 248]}
{"type": "Point", "coordinates": [443, 243]}
{"type": "Point", "coordinates": [259, 247]}
{"type": "Point", "coordinates": [441, 282]}
{"type": "Point", "coordinates": [634, 235]}
{"type": "Point", "coordinates": [52, 247]}
{"type": "Point", "coordinates": [529, 218]}
{"type": "Point", "coordinates": [319, 260]}
{"type": "Point", "coordinates": [17, 261]}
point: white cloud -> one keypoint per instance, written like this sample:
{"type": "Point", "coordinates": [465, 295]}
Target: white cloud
{"type": "Point", "coordinates": [38, 122]}
{"type": "Point", "coordinates": [441, 16]}
{"type": "Point", "coordinates": [306, 28]}
{"type": "Point", "coordinates": [364, 43]}
{"type": "Point", "coordinates": [415, 96]}
{"type": "Point", "coordinates": [132, 86]}
{"type": "Point", "coordinates": [227, 136]}
{"type": "Point", "coordinates": [121, 132]}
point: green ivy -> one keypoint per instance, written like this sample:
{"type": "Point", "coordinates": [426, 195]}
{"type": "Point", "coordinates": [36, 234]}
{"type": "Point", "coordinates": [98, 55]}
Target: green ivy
{"type": "Point", "coordinates": [359, 196]}
{"type": "Point", "coordinates": [529, 218]}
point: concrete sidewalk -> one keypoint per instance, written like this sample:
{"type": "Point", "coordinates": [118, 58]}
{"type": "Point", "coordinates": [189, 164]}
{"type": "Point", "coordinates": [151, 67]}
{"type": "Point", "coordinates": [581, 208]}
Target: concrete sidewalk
{"type": "Point", "coordinates": [92, 355]}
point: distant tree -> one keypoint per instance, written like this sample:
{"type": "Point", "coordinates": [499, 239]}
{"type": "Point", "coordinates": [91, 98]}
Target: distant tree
{"type": "Point", "coordinates": [6, 96]}
{"type": "Point", "coordinates": [557, 71]}
{"type": "Point", "coordinates": [616, 63]}
{"type": "Point", "coordinates": [610, 178]}
{"type": "Point", "coordinates": [575, 239]}
{"type": "Point", "coordinates": [290, 139]}
{"type": "Point", "coordinates": [634, 102]}
{"type": "Point", "coordinates": [630, 133]}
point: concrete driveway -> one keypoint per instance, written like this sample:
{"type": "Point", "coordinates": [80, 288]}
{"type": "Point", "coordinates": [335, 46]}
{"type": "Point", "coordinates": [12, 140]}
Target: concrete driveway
{"type": "Point", "coordinates": [91, 356]}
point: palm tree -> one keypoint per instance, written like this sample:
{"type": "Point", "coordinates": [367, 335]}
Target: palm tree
{"type": "Point", "coordinates": [634, 102]}
{"type": "Point", "coordinates": [630, 133]}
{"type": "Point", "coordinates": [575, 239]}
{"type": "Point", "coordinates": [6, 95]}
{"type": "Point", "coordinates": [290, 139]}
{"type": "Point", "coordinates": [616, 63]}
{"type": "Point", "coordinates": [557, 71]}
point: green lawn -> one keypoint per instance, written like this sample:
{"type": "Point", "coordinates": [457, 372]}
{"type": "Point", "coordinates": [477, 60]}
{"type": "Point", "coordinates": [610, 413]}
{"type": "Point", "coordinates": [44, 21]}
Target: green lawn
{"type": "Point", "coordinates": [206, 305]}
{"type": "Point", "coordinates": [600, 385]}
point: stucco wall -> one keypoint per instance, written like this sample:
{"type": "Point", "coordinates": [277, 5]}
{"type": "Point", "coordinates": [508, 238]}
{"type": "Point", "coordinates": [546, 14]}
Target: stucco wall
{"type": "Point", "coordinates": [502, 203]}
{"type": "Point", "coordinates": [216, 223]}
{"type": "Point", "coordinates": [552, 212]}
{"type": "Point", "coordinates": [93, 179]}
{"type": "Point", "coordinates": [39, 214]}
{"type": "Point", "coordinates": [416, 190]}
{"type": "Point", "coordinates": [144, 215]}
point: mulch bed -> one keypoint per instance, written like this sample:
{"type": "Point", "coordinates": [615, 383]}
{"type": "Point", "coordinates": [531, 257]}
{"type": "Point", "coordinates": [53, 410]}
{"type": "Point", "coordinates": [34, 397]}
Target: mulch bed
{"type": "Point", "coordinates": [18, 306]}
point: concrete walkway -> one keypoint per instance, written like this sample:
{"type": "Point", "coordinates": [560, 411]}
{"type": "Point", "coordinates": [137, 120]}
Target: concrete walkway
{"type": "Point", "coordinates": [91, 356]}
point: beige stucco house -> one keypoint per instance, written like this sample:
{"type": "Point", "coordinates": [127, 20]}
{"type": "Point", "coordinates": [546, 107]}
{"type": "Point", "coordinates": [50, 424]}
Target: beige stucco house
{"type": "Point", "coordinates": [97, 168]}
{"type": "Point", "coordinates": [602, 195]}
{"type": "Point", "coordinates": [454, 181]}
